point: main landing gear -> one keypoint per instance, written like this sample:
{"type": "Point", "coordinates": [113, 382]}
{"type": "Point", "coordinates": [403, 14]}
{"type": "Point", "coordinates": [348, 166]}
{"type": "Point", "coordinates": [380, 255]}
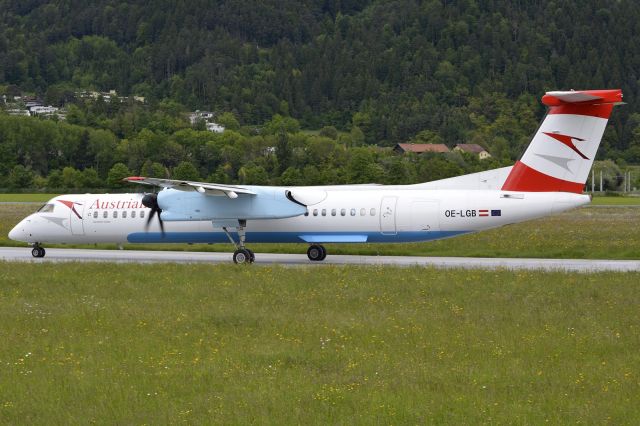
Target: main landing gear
{"type": "Point", "coordinates": [316, 252]}
{"type": "Point", "coordinates": [37, 251]}
{"type": "Point", "coordinates": [242, 254]}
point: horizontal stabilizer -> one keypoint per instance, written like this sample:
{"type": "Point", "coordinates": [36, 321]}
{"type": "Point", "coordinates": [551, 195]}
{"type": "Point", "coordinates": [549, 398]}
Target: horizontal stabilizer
{"type": "Point", "coordinates": [584, 97]}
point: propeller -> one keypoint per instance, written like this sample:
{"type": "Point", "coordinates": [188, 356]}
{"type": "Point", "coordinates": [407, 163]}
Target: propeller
{"type": "Point", "coordinates": [151, 201]}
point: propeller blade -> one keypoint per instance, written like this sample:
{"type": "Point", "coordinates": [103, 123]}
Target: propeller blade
{"type": "Point", "coordinates": [161, 225]}
{"type": "Point", "coordinates": [149, 219]}
{"type": "Point", "coordinates": [151, 201]}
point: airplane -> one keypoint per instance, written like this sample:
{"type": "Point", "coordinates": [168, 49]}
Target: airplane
{"type": "Point", "coordinates": [549, 178]}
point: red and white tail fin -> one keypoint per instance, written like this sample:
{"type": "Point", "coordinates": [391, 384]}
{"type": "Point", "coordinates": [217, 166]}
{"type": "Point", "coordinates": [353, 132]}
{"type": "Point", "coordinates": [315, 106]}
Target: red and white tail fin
{"type": "Point", "coordinates": [561, 153]}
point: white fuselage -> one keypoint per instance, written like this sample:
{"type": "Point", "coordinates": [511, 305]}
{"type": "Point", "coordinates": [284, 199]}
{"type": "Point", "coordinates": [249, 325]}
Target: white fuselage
{"type": "Point", "coordinates": [350, 214]}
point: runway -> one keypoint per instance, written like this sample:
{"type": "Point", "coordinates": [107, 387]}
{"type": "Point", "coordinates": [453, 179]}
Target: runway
{"type": "Point", "coordinates": [23, 254]}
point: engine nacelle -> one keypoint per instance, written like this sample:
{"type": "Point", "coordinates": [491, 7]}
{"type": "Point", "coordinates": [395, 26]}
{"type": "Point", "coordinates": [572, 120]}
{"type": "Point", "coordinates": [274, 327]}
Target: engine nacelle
{"type": "Point", "coordinates": [268, 203]}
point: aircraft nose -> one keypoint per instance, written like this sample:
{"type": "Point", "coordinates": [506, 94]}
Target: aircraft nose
{"type": "Point", "coordinates": [17, 233]}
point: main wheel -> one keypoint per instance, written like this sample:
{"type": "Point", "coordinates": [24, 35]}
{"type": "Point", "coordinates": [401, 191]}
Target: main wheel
{"type": "Point", "coordinates": [38, 252]}
{"type": "Point", "coordinates": [316, 253]}
{"type": "Point", "coordinates": [324, 253]}
{"type": "Point", "coordinates": [242, 256]}
{"type": "Point", "coordinates": [252, 254]}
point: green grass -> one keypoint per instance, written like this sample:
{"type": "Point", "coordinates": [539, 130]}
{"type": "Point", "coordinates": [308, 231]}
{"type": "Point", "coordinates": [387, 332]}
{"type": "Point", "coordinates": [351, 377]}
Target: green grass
{"type": "Point", "coordinates": [591, 233]}
{"type": "Point", "coordinates": [615, 201]}
{"type": "Point", "coordinates": [6, 198]}
{"type": "Point", "coordinates": [157, 344]}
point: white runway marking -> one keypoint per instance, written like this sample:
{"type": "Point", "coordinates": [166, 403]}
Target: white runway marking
{"type": "Point", "coordinates": [23, 254]}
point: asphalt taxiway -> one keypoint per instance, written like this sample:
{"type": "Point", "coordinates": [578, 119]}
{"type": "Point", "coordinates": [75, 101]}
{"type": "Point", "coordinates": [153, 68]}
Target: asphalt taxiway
{"type": "Point", "coordinates": [23, 254]}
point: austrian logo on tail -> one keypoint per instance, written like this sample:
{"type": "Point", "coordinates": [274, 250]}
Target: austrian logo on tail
{"type": "Point", "coordinates": [567, 141]}
{"type": "Point", "coordinates": [72, 206]}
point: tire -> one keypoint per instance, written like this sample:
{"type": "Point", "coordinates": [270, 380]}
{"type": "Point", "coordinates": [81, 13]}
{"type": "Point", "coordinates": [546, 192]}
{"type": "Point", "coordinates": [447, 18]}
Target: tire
{"type": "Point", "coordinates": [252, 254]}
{"type": "Point", "coordinates": [35, 252]}
{"type": "Point", "coordinates": [315, 252]}
{"type": "Point", "coordinates": [242, 256]}
{"type": "Point", "coordinates": [324, 253]}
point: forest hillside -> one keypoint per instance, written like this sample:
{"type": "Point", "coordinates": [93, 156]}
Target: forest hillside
{"type": "Point", "coordinates": [379, 72]}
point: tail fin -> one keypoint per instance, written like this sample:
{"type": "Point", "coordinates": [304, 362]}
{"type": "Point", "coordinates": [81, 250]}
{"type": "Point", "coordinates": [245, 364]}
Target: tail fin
{"type": "Point", "coordinates": [561, 153]}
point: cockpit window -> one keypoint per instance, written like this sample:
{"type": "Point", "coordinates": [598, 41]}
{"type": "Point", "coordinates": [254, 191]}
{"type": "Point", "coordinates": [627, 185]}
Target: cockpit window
{"type": "Point", "coordinates": [47, 208]}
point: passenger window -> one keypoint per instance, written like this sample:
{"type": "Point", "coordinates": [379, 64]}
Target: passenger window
{"type": "Point", "coordinates": [353, 212]}
{"type": "Point", "coordinates": [105, 214]}
{"type": "Point", "coordinates": [142, 214]}
{"type": "Point", "coordinates": [133, 214]}
{"type": "Point", "coordinates": [324, 212]}
{"type": "Point", "coordinates": [95, 214]}
{"type": "Point", "coordinates": [363, 212]}
{"type": "Point", "coordinates": [124, 214]}
{"type": "Point", "coordinates": [315, 212]}
{"type": "Point", "coordinates": [373, 212]}
{"type": "Point", "coordinates": [115, 214]}
{"type": "Point", "coordinates": [333, 212]}
{"type": "Point", "coordinates": [306, 213]}
{"type": "Point", "coordinates": [343, 212]}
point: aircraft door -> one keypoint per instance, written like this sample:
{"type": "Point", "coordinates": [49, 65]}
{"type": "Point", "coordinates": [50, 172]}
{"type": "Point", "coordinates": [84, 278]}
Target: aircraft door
{"type": "Point", "coordinates": [76, 218]}
{"type": "Point", "coordinates": [388, 215]}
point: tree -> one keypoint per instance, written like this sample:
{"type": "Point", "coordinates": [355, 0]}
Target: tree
{"type": "Point", "coordinates": [252, 174]}
{"type": "Point", "coordinates": [153, 169]}
{"type": "Point", "coordinates": [280, 124]}
{"type": "Point", "coordinates": [54, 180]}
{"type": "Point", "coordinates": [357, 136]}
{"type": "Point", "coordinates": [359, 169]}
{"type": "Point", "coordinates": [90, 179]}
{"type": "Point", "coordinates": [283, 151]}
{"type": "Point", "coordinates": [329, 132]}
{"type": "Point", "coordinates": [72, 178]}
{"type": "Point", "coordinates": [186, 171]}
{"type": "Point", "coordinates": [228, 120]}
{"type": "Point", "coordinates": [117, 173]}
{"type": "Point", "coordinates": [291, 177]}
{"type": "Point", "coordinates": [20, 177]}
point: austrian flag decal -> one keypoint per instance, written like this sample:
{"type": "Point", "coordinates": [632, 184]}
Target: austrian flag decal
{"type": "Point", "coordinates": [487, 213]}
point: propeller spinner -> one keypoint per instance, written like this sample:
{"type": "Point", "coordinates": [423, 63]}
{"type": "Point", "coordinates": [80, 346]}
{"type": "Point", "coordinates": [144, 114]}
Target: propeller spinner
{"type": "Point", "coordinates": [151, 201]}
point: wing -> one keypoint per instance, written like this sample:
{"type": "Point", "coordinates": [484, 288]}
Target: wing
{"type": "Point", "coordinates": [185, 185]}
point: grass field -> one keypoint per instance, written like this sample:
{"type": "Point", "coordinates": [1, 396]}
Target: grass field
{"type": "Point", "coordinates": [593, 232]}
{"type": "Point", "coordinates": [615, 201]}
{"type": "Point", "coordinates": [26, 198]}
{"type": "Point", "coordinates": [157, 344]}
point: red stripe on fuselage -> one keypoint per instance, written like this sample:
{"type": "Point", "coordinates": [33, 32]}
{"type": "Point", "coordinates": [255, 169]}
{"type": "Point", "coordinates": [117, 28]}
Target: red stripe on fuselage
{"type": "Point", "coordinates": [524, 178]}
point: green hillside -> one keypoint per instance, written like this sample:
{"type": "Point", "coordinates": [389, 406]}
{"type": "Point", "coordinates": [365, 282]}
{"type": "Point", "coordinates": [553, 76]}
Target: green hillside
{"type": "Point", "coordinates": [390, 71]}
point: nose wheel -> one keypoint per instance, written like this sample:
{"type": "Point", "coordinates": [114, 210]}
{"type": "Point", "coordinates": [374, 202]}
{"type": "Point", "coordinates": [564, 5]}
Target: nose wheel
{"type": "Point", "coordinates": [37, 251]}
{"type": "Point", "coordinates": [316, 252]}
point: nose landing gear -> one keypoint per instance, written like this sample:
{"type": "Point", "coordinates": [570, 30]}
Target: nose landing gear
{"type": "Point", "coordinates": [37, 251]}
